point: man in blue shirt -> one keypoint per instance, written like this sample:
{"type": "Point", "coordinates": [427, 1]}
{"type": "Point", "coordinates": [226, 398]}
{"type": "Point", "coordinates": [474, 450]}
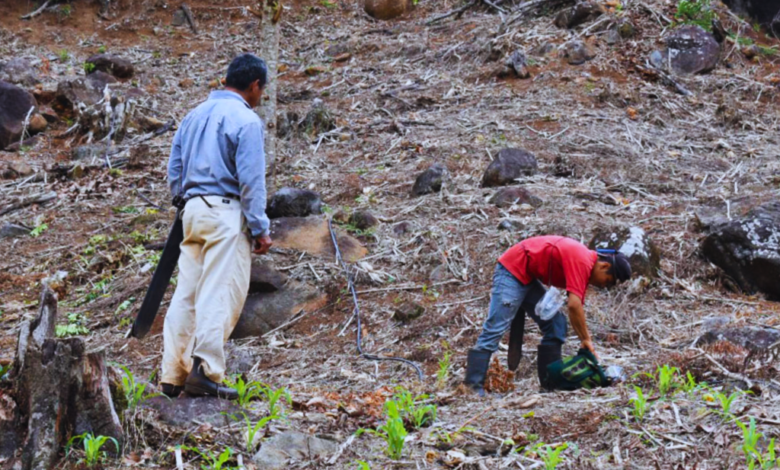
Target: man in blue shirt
{"type": "Point", "coordinates": [217, 166]}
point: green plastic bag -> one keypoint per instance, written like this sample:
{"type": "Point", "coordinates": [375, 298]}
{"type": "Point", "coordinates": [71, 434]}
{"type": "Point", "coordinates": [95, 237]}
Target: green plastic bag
{"type": "Point", "coordinates": [574, 372]}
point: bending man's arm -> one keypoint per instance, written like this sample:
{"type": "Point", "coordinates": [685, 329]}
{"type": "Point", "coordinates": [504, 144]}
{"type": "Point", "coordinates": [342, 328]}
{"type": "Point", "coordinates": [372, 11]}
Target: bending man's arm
{"type": "Point", "coordinates": [250, 166]}
{"type": "Point", "coordinates": [577, 320]}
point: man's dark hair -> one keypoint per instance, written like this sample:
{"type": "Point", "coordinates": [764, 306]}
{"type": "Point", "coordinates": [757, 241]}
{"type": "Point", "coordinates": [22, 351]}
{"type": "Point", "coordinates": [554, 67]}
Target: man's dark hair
{"type": "Point", "coordinates": [244, 70]}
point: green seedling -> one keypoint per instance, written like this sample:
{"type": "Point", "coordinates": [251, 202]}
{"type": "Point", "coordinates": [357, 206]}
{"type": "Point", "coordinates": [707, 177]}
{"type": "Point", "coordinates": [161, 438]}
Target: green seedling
{"type": "Point", "coordinates": [274, 396]}
{"type": "Point", "coordinates": [753, 455]}
{"type": "Point", "coordinates": [392, 432]}
{"type": "Point", "coordinates": [362, 465]}
{"type": "Point", "coordinates": [640, 404]}
{"type": "Point", "coordinates": [698, 12]}
{"type": "Point", "coordinates": [89, 67]}
{"type": "Point", "coordinates": [92, 444]}
{"type": "Point", "coordinates": [443, 374]}
{"type": "Point", "coordinates": [212, 461]}
{"type": "Point", "coordinates": [252, 430]}
{"type": "Point", "coordinates": [412, 409]}
{"type": "Point", "coordinates": [75, 326]}
{"type": "Point", "coordinates": [726, 401]}
{"type": "Point", "coordinates": [550, 455]}
{"type": "Point", "coordinates": [135, 392]}
{"type": "Point", "coordinates": [689, 385]}
{"type": "Point", "coordinates": [667, 379]}
{"type": "Point", "coordinates": [37, 231]}
{"type": "Point", "coordinates": [102, 49]}
{"type": "Point", "coordinates": [246, 391]}
{"type": "Point", "coordinates": [4, 370]}
{"type": "Point", "coordinates": [64, 55]}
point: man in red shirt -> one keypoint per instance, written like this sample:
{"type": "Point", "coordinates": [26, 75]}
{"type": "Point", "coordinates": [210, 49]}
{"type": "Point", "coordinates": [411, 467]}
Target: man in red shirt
{"type": "Point", "coordinates": [517, 283]}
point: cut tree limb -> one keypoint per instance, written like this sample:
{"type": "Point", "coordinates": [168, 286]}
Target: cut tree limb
{"type": "Point", "coordinates": [26, 201]}
{"type": "Point", "coordinates": [36, 12]}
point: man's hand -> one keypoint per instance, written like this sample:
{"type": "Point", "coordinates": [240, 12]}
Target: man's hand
{"type": "Point", "coordinates": [262, 245]}
{"type": "Point", "coordinates": [588, 344]}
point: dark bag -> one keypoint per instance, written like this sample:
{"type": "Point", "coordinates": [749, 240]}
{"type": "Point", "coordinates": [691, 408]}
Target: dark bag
{"type": "Point", "coordinates": [574, 372]}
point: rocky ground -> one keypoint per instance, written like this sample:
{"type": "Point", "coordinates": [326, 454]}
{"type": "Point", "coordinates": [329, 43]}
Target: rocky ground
{"type": "Point", "coordinates": [609, 123]}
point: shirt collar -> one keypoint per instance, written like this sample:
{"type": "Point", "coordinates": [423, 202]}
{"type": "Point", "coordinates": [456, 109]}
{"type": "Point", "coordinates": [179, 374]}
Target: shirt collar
{"type": "Point", "coordinates": [228, 95]}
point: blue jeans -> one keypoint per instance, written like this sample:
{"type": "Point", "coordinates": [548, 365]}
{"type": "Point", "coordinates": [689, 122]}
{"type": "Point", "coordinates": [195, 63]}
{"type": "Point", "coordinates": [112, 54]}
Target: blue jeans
{"type": "Point", "coordinates": [508, 296]}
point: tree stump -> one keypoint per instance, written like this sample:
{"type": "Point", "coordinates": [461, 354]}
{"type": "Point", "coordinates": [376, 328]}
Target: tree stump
{"type": "Point", "coordinates": [59, 390]}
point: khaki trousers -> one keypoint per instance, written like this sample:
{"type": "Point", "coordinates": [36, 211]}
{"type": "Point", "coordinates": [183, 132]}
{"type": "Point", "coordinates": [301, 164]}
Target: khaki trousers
{"type": "Point", "coordinates": [212, 287]}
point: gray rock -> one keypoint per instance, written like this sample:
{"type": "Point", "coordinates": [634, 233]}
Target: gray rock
{"type": "Point", "coordinates": [294, 202]}
{"type": "Point", "coordinates": [15, 103]}
{"type": "Point", "coordinates": [577, 52]}
{"type": "Point", "coordinates": [20, 71]}
{"type": "Point", "coordinates": [517, 63]}
{"type": "Point", "coordinates": [642, 254]}
{"type": "Point", "coordinates": [282, 449]}
{"type": "Point", "coordinates": [265, 311]}
{"type": "Point", "coordinates": [509, 164]}
{"type": "Point", "coordinates": [690, 49]}
{"type": "Point", "coordinates": [510, 225]}
{"type": "Point", "coordinates": [10, 230]}
{"type": "Point", "coordinates": [264, 278]}
{"type": "Point", "coordinates": [430, 180]}
{"type": "Point", "coordinates": [186, 412]}
{"type": "Point", "coordinates": [179, 18]}
{"type": "Point", "coordinates": [506, 197]}
{"type": "Point", "coordinates": [753, 338]}
{"type": "Point", "coordinates": [748, 250]}
{"type": "Point", "coordinates": [439, 273]}
{"type": "Point", "coordinates": [580, 13]}
{"type": "Point", "coordinates": [111, 64]}
{"type": "Point", "coordinates": [318, 120]}
{"type": "Point", "coordinates": [408, 311]}
{"type": "Point", "coordinates": [402, 228]}
{"type": "Point", "coordinates": [363, 220]}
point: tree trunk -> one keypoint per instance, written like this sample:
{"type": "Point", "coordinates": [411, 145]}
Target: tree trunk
{"type": "Point", "coordinates": [59, 391]}
{"type": "Point", "coordinates": [269, 51]}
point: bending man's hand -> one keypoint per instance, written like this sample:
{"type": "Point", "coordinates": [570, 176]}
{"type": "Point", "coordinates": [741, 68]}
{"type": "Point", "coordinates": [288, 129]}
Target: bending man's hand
{"type": "Point", "coordinates": [262, 245]}
{"type": "Point", "coordinates": [577, 320]}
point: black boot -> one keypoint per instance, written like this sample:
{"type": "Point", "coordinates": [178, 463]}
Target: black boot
{"type": "Point", "coordinates": [172, 391]}
{"type": "Point", "coordinates": [547, 354]}
{"type": "Point", "coordinates": [476, 370]}
{"type": "Point", "coordinates": [197, 384]}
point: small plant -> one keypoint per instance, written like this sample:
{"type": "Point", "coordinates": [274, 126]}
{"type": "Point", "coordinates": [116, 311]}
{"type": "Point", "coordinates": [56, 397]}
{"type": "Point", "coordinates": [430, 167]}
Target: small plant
{"type": "Point", "coordinates": [550, 455]}
{"type": "Point", "coordinates": [253, 429]}
{"type": "Point", "coordinates": [102, 49]}
{"type": "Point", "coordinates": [698, 12]}
{"type": "Point", "coordinates": [361, 465]}
{"type": "Point", "coordinates": [726, 401]}
{"type": "Point", "coordinates": [37, 231]}
{"type": "Point", "coordinates": [4, 370]}
{"type": "Point", "coordinates": [274, 396]}
{"type": "Point", "coordinates": [93, 454]}
{"type": "Point", "coordinates": [753, 455]}
{"type": "Point", "coordinates": [134, 390]}
{"type": "Point", "coordinates": [212, 461]}
{"type": "Point", "coordinates": [125, 210]}
{"type": "Point", "coordinates": [411, 409]}
{"type": "Point", "coordinates": [64, 55]}
{"type": "Point", "coordinates": [89, 67]}
{"type": "Point", "coordinates": [246, 391]}
{"type": "Point", "coordinates": [443, 374]}
{"type": "Point", "coordinates": [639, 403]}
{"type": "Point", "coordinates": [327, 4]}
{"type": "Point", "coordinates": [667, 379]}
{"type": "Point", "coordinates": [74, 327]}
{"type": "Point", "coordinates": [393, 431]}
{"type": "Point", "coordinates": [689, 385]}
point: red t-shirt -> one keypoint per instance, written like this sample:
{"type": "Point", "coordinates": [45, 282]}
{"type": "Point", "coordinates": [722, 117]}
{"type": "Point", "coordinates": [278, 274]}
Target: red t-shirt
{"type": "Point", "coordinates": [571, 262]}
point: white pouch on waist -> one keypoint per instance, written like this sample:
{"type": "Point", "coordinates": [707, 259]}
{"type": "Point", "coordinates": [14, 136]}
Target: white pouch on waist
{"type": "Point", "coordinates": [550, 304]}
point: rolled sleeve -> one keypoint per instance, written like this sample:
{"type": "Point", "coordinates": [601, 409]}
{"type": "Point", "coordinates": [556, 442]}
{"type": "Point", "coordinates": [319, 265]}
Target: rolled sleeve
{"type": "Point", "coordinates": [250, 166]}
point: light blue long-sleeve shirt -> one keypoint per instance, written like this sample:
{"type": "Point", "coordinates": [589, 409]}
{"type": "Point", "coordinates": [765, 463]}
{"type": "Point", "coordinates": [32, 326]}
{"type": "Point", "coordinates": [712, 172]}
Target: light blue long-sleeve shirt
{"type": "Point", "coordinates": [218, 150]}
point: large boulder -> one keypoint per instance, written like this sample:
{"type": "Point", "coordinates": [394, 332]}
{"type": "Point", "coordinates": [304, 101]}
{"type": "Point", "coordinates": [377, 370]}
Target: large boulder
{"type": "Point", "coordinates": [312, 235]}
{"type": "Point", "coordinates": [265, 311]}
{"type": "Point", "coordinates": [15, 104]}
{"type": "Point", "coordinates": [690, 49]}
{"type": "Point", "coordinates": [748, 250]}
{"type": "Point", "coordinates": [386, 9]}
{"type": "Point", "coordinates": [276, 452]}
{"type": "Point", "coordinates": [578, 52]}
{"type": "Point", "coordinates": [19, 71]}
{"type": "Point", "coordinates": [509, 164]}
{"type": "Point", "coordinates": [264, 278]}
{"type": "Point", "coordinates": [580, 13]}
{"type": "Point", "coordinates": [87, 90]}
{"type": "Point", "coordinates": [506, 197]}
{"type": "Point", "coordinates": [111, 64]}
{"type": "Point", "coordinates": [293, 202]}
{"type": "Point", "coordinates": [642, 253]}
{"type": "Point", "coordinates": [430, 180]}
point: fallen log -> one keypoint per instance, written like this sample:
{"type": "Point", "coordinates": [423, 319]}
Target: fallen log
{"type": "Point", "coordinates": [59, 391]}
{"type": "Point", "coordinates": [28, 200]}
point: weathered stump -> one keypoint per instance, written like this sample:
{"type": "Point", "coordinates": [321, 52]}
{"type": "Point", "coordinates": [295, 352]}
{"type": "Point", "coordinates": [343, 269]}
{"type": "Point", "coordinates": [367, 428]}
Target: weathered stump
{"type": "Point", "coordinates": [59, 391]}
